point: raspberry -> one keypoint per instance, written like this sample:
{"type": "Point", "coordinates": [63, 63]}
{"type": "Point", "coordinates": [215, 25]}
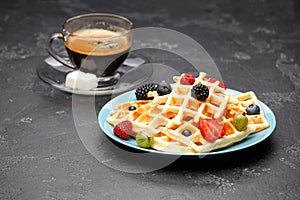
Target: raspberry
{"type": "Point", "coordinates": [123, 129]}
{"type": "Point", "coordinates": [187, 79]}
{"type": "Point", "coordinates": [213, 80]}
{"type": "Point", "coordinates": [200, 92]}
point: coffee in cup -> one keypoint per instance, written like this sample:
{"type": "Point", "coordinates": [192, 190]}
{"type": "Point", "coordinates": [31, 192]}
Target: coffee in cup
{"type": "Point", "coordinates": [95, 43]}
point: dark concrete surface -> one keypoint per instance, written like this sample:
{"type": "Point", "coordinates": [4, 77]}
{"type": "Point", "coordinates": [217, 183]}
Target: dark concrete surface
{"type": "Point", "coordinates": [256, 45]}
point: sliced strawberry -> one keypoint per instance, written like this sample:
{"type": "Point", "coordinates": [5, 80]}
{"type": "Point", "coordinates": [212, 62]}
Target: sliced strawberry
{"type": "Point", "coordinates": [123, 129]}
{"type": "Point", "coordinates": [187, 79]}
{"type": "Point", "coordinates": [211, 130]}
{"type": "Point", "coordinates": [221, 84]}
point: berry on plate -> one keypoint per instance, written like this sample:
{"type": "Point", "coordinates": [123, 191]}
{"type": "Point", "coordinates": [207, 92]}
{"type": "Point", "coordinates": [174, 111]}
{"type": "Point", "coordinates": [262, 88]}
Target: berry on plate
{"type": "Point", "coordinates": [213, 80]}
{"type": "Point", "coordinates": [141, 92]}
{"type": "Point", "coordinates": [187, 79]}
{"type": "Point", "coordinates": [131, 108]}
{"type": "Point", "coordinates": [211, 130]}
{"type": "Point", "coordinates": [253, 109]}
{"type": "Point", "coordinates": [200, 92]}
{"type": "Point", "coordinates": [123, 129]}
{"type": "Point", "coordinates": [186, 133]}
{"type": "Point", "coordinates": [163, 88]}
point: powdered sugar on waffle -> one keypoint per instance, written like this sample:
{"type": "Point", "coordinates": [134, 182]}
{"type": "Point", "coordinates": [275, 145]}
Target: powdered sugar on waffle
{"type": "Point", "coordinates": [168, 115]}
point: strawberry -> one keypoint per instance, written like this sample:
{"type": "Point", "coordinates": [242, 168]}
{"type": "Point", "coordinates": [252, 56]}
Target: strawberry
{"type": "Point", "coordinates": [187, 79]}
{"type": "Point", "coordinates": [211, 130]}
{"type": "Point", "coordinates": [213, 80]}
{"type": "Point", "coordinates": [123, 129]}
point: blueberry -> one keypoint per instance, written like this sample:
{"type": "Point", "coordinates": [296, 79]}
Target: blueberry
{"type": "Point", "coordinates": [131, 108]}
{"type": "Point", "coordinates": [253, 109]}
{"type": "Point", "coordinates": [186, 132]}
{"type": "Point", "coordinates": [163, 88]}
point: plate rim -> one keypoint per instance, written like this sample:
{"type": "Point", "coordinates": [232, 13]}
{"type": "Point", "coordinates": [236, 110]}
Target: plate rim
{"type": "Point", "coordinates": [102, 122]}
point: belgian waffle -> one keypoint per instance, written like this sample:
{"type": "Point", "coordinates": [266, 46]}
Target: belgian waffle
{"type": "Point", "coordinates": [238, 104]}
{"type": "Point", "coordinates": [167, 116]}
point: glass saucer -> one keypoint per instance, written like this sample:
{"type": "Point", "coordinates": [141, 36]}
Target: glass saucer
{"type": "Point", "coordinates": [135, 70]}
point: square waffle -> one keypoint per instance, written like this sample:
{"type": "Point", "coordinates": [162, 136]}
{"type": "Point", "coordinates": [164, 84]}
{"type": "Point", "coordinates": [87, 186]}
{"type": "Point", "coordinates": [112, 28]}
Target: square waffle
{"type": "Point", "coordinates": [167, 116]}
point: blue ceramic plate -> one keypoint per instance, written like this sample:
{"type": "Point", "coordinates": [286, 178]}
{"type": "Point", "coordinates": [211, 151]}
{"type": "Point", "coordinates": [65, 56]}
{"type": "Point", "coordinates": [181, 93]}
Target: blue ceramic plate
{"type": "Point", "coordinates": [130, 96]}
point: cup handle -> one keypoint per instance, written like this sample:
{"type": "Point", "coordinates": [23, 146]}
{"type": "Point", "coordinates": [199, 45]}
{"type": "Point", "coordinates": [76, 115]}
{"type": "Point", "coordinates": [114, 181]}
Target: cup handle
{"type": "Point", "coordinates": [56, 36]}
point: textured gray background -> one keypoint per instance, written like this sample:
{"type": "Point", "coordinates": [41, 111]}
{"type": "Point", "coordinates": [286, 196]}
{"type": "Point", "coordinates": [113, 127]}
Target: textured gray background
{"type": "Point", "coordinates": [254, 43]}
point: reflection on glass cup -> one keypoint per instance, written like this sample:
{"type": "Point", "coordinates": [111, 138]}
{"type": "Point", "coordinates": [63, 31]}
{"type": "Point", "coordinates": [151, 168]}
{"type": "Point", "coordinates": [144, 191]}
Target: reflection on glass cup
{"type": "Point", "coordinates": [96, 43]}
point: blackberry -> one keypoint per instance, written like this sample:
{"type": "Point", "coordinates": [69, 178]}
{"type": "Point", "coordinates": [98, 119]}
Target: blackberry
{"type": "Point", "coordinates": [200, 92]}
{"type": "Point", "coordinates": [141, 92]}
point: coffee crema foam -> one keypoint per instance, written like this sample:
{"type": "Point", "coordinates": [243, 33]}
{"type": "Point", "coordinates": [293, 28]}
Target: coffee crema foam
{"type": "Point", "coordinates": [94, 42]}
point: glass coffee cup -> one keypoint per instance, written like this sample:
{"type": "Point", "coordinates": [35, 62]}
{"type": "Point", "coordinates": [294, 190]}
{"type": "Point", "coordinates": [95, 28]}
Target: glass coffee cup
{"type": "Point", "coordinates": [96, 43]}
